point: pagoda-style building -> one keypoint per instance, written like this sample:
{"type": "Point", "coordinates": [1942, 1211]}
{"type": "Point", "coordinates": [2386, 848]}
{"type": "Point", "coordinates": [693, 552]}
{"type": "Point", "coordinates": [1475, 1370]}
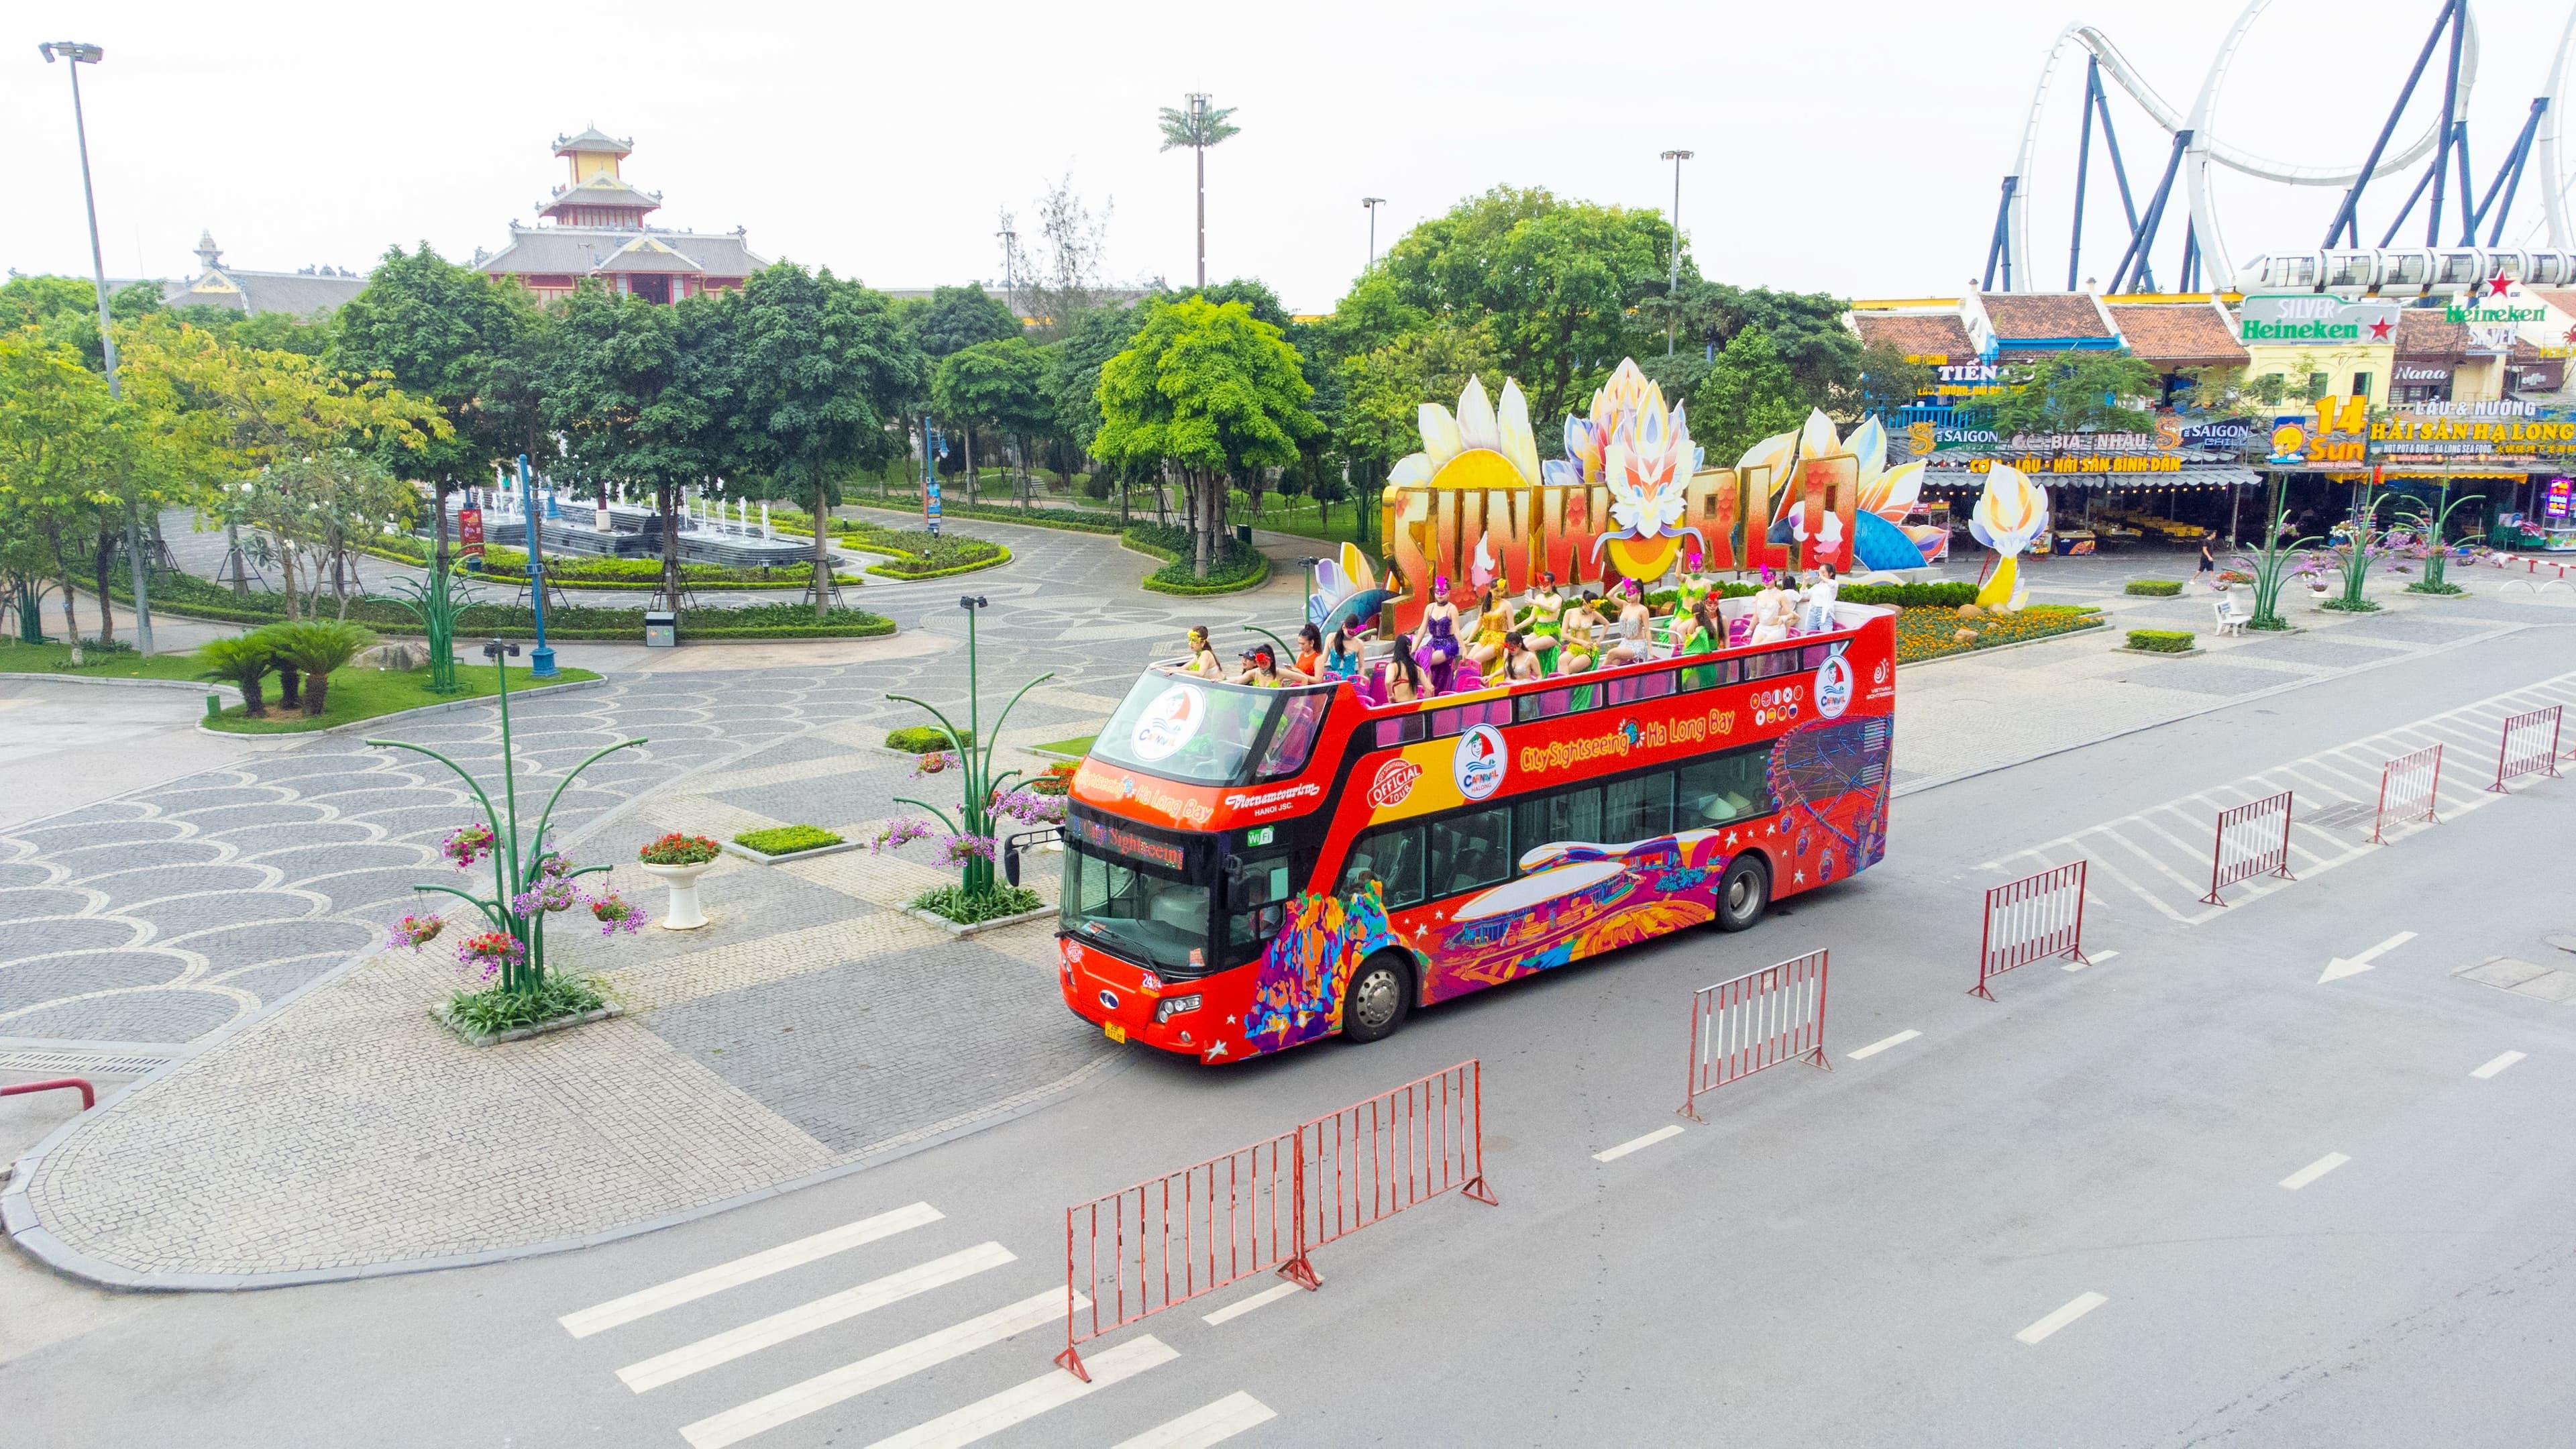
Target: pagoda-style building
{"type": "Point", "coordinates": [594, 227]}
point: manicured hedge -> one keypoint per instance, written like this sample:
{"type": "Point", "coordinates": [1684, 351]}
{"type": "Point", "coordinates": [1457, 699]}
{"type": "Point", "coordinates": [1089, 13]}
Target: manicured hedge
{"type": "Point", "coordinates": [924, 739]}
{"type": "Point", "coordinates": [201, 599]}
{"type": "Point", "coordinates": [2161, 641]}
{"type": "Point", "coordinates": [508, 568]}
{"type": "Point", "coordinates": [2155, 588]}
{"type": "Point", "coordinates": [787, 839]}
{"type": "Point", "coordinates": [1234, 569]}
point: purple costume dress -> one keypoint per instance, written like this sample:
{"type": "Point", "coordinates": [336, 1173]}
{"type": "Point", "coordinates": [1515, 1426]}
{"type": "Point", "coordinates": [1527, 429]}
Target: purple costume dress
{"type": "Point", "coordinates": [1438, 655]}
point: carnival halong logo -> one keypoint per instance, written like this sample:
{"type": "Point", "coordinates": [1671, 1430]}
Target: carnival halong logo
{"type": "Point", "coordinates": [1479, 762]}
{"type": "Point", "coordinates": [1833, 687]}
{"type": "Point", "coordinates": [1168, 722]}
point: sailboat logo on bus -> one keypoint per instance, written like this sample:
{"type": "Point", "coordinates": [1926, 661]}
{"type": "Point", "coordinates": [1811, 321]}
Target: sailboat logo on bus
{"type": "Point", "coordinates": [1168, 722]}
{"type": "Point", "coordinates": [1478, 765]}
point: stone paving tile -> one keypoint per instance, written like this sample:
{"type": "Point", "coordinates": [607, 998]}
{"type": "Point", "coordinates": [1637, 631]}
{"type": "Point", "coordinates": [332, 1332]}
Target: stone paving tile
{"type": "Point", "coordinates": [861, 1054]}
{"type": "Point", "coordinates": [179, 1014]}
{"type": "Point", "coordinates": [2202, 676]}
{"type": "Point", "coordinates": [2308, 649]}
{"type": "Point", "coordinates": [2413, 629]}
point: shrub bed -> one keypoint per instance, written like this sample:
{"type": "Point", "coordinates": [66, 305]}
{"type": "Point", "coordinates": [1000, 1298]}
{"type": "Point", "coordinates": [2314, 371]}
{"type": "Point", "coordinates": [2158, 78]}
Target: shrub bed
{"type": "Point", "coordinates": [954, 903]}
{"type": "Point", "coordinates": [508, 567]}
{"type": "Point", "coordinates": [1927, 633]}
{"type": "Point", "coordinates": [1233, 569]}
{"type": "Point", "coordinates": [787, 839]}
{"type": "Point", "coordinates": [2154, 588]}
{"type": "Point", "coordinates": [2160, 641]}
{"type": "Point", "coordinates": [202, 599]}
{"type": "Point", "coordinates": [924, 739]}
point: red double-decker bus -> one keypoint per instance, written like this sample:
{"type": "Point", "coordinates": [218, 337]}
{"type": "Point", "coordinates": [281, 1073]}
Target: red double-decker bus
{"type": "Point", "coordinates": [1247, 869]}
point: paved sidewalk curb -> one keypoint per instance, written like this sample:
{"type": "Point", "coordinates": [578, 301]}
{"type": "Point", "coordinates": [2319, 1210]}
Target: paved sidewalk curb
{"type": "Point", "coordinates": [39, 1243]}
{"type": "Point", "coordinates": [19, 1220]}
{"type": "Point", "coordinates": [209, 687]}
{"type": "Point", "coordinates": [1917, 787]}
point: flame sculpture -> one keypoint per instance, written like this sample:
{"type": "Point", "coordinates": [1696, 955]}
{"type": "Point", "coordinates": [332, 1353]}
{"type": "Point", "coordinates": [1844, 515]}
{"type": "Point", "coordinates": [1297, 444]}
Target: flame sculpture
{"type": "Point", "coordinates": [2009, 514]}
{"type": "Point", "coordinates": [1642, 452]}
{"type": "Point", "coordinates": [1887, 495]}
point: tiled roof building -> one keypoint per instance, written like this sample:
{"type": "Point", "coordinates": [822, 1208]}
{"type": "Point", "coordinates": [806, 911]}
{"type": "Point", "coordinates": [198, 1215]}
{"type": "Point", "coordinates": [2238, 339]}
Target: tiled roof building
{"type": "Point", "coordinates": [309, 293]}
{"type": "Point", "coordinates": [593, 226]}
{"type": "Point", "coordinates": [2173, 335]}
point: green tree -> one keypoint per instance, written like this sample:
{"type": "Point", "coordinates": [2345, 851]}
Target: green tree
{"type": "Point", "coordinates": [1882, 383]}
{"type": "Point", "coordinates": [2077, 391]}
{"type": "Point", "coordinates": [435, 330]}
{"type": "Point", "coordinates": [640, 392]}
{"type": "Point", "coordinates": [61, 438]}
{"type": "Point", "coordinates": [953, 319]}
{"type": "Point", "coordinates": [998, 385]}
{"type": "Point", "coordinates": [1210, 391]}
{"type": "Point", "coordinates": [1747, 395]}
{"type": "Point", "coordinates": [824, 367]}
{"type": "Point", "coordinates": [1384, 389]}
{"type": "Point", "coordinates": [1806, 328]}
{"type": "Point", "coordinates": [1558, 283]}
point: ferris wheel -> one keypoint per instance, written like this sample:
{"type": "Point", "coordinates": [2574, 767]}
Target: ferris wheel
{"type": "Point", "coordinates": [2345, 261]}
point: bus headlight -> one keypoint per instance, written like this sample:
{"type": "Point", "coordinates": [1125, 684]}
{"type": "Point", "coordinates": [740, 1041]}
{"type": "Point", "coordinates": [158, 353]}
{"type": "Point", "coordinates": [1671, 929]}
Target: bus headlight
{"type": "Point", "coordinates": [1172, 1006]}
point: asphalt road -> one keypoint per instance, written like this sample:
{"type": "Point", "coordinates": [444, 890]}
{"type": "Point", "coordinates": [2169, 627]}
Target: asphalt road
{"type": "Point", "coordinates": [1907, 1249]}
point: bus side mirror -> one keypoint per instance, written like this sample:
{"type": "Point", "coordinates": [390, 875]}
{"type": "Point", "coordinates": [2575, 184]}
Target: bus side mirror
{"type": "Point", "coordinates": [1011, 863]}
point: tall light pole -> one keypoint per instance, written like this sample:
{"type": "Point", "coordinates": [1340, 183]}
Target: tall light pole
{"type": "Point", "coordinates": [80, 53]}
{"type": "Point", "coordinates": [1372, 203]}
{"type": "Point", "coordinates": [1010, 280]}
{"type": "Point", "coordinates": [1674, 287]}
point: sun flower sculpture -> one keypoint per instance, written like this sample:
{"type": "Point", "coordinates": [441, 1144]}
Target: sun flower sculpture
{"type": "Point", "coordinates": [1642, 452]}
{"type": "Point", "coordinates": [1882, 538]}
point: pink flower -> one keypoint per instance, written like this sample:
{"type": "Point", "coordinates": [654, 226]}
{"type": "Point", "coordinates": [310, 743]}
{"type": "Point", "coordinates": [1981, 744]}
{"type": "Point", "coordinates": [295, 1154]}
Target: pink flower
{"type": "Point", "coordinates": [416, 931]}
{"type": "Point", "coordinates": [900, 833]}
{"type": "Point", "coordinates": [467, 845]}
{"type": "Point", "coordinates": [964, 848]}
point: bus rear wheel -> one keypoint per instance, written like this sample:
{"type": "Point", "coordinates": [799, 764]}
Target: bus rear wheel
{"type": "Point", "coordinates": [1743, 892]}
{"type": "Point", "coordinates": [1380, 994]}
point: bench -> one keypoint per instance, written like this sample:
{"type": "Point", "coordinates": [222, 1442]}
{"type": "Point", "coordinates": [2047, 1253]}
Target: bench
{"type": "Point", "coordinates": [2229, 621]}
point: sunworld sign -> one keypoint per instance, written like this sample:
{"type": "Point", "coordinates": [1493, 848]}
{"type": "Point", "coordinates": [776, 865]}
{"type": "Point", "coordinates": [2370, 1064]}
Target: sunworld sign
{"type": "Point", "coordinates": [2313, 318]}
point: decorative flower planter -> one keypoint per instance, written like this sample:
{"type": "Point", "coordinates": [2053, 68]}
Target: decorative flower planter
{"type": "Point", "coordinates": [684, 914]}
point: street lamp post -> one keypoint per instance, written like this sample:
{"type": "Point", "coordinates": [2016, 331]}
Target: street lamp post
{"type": "Point", "coordinates": [541, 660]}
{"type": "Point", "coordinates": [1675, 285]}
{"type": "Point", "coordinates": [1372, 203]}
{"type": "Point", "coordinates": [80, 53]}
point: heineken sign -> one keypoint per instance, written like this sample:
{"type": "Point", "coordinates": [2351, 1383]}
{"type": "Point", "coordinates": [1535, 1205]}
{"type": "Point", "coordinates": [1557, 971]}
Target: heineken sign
{"type": "Point", "coordinates": [2313, 318]}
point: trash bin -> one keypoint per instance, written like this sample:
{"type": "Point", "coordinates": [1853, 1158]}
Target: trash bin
{"type": "Point", "coordinates": [661, 628]}
{"type": "Point", "coordinates": [1243, 534]}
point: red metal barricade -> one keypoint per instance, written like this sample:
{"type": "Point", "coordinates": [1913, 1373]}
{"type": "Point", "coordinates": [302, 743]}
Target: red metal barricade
{"type": "Point", "coordinates": [2407, 788]}
{"type": "Point", "coordinates": [1760, 1019]}
{"type": "Point", "coordinates": [1263, 1208]}
{"type": "Point", "coordinates": [2529, 746]}
{"type": "Point", "coordinates": [2253, 839]}
{"type": "Point", "coordinates": [2032, 919]}
{"type": "Point", "coordinates": [89, 1094]}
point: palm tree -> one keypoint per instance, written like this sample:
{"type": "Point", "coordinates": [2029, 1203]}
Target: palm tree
{"type": "Point", "coordinates": [1198, 128]}
{"type": "Point", "coordinates": [316, 647]}
{"type": "Point", "coordinates": [242, 662]}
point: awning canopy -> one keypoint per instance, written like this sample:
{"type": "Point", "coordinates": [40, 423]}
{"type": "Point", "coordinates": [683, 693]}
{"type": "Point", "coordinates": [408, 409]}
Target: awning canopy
{"type": "Point", "coordinates": [1965, 468]}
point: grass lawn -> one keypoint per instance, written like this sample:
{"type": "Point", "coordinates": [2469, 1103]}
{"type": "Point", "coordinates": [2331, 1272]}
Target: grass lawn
{"type": "Point", "coordinates": [18, 658]}
{"type": "Point", "coordinates": [1074, 749]}
{"type": "Point", "coordinates": [358, 694]}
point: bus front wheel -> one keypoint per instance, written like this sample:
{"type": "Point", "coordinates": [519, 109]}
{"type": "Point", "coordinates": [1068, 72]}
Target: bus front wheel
{"type": "Point", "coordinates": [1381, 992]}
{"type": "Point", "coordinates": [1743, 892]}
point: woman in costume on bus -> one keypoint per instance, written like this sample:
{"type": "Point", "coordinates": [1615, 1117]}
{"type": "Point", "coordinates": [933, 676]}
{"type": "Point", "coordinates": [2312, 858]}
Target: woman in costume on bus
{"type": "Point", "coordinates": [1634, 633]}
{"type": "Point", "coordinates": [1576, 654]}
{"type": "Point", "coordinates": [1435, 641]}
{"type": "Point", "coordinates": [1340, 658]}
{"type": "Point", "coordinates": [1261, 668]}
{"type": "Point", "coordinates": [1203, 660]}
{"type": "Point", "coordinates": [1702, 632]}
{"type": "Point", "coordinates": [1519, 661]}
{"type": "Point", "coordinates": [1542, 628]}
{"type": "Point", "coordinates": [1310, 652]}
{"type": "Point", "coordinates": [1403, 681]}
{"type": "Point", "coordinates": [1491, 626]}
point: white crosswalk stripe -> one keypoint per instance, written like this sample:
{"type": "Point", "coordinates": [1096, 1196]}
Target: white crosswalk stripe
{"type": "Point", "coordinates": [777, 1328]}
{"type": "Point", "coordinates": [744, 1270]}
{"type": "Point", "coordinates": [1023, 1402]}
{"type": "Point", "coordinates": [1199, 1428]}
{"type": "Point", "coordinates": [734, 1365]}
{"type": "Point", "coordinates": [2161, 855]}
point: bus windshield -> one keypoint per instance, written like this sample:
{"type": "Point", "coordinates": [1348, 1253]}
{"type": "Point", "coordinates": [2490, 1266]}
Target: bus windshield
{"type": "Point", "coordinates": [1146, 917]}
{"type": "Point", "coordinates": [1185, 728]}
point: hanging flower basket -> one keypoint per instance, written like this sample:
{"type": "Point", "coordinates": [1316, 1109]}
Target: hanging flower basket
{"type": "Point", "coordinates": [416, 931]}
{"type": "Point", "coordinates": [615, 913]}
{"type": "Point", "coordinates": [491, 953]}
{"type": "Point", "coordinates": [465, 846]}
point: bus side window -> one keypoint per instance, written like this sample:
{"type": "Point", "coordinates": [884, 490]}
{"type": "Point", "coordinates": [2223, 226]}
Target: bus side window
{"type": "Point", "coordinates": [1771, 665]}
{"type": "Point", "coordinates": [1637, 809]}
{"type": "Point", "coordinates": [1257, 896]}
{"type": "Point", "coordinates": [1294, 738]}
{"type": "Point", "coordinates": [1564, 817]}
{"type": "Point", "coordinates": [1815, 655]}
{"type": "Point", "coordinates": [1402, 730]}
{"type": "Point", "coordinates": [1726, 788]}
{"type": "Point", "coordinates": [1711, 676]}
{"type": "Point", "coordinates": [1394, 858]}
{"type": "Point", "coordinates": [1471, 851]}
{"type": "Point", "coordinates": [1637, 687]}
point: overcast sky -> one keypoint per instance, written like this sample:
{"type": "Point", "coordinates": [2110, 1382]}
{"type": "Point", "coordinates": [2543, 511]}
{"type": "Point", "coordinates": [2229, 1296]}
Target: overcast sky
{"type": "Point", "coordinates": [1853, 146]}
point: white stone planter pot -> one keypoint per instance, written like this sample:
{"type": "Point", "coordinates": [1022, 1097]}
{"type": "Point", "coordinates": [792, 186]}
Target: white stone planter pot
{"type": "Point", "coordinates": [684, 914]}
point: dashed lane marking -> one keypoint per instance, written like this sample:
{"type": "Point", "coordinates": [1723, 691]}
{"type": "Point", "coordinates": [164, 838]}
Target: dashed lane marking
{"type": "Point", "coordinates": [698, 1285]}
{"type": "Point", "coordinates": [1613, 1154]}
{"type": "Point", "coordinates": [1023, 1402]}
{"type": "Point", "coordinates": [2076, 1308]}
{"type": "Point", "coordinates": [1199, 1428]}
{"type": "Point", "coordinates": [2079, 963]}
{"type": "Point", "coordinates": [2314, 1170]}
{"type": "Point", "coordinates": [778, 1328]}
{"type": "Point", "coordinates": [1242, 1306]}
{"type": "Point", "coordinates": [1883, 1043]}
{"type": "Point", "coordinates": [2498, 1065]}
{"type": "Point", "coordinates": [877, 1370]}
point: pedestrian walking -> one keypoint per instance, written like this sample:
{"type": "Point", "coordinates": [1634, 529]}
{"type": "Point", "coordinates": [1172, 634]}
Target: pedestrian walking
{"type": "Point", "coordinates": [2208, 565]}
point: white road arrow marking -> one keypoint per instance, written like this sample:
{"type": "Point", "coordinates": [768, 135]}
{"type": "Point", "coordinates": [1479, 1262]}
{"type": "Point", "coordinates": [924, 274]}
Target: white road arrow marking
{"type": "Point", "coordinates": [2341, 966]}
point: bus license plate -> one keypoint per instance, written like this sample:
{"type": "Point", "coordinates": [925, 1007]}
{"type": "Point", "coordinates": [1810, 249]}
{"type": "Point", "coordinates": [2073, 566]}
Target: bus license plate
{"type": "Point", "coordinates": [1114, 1031]}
